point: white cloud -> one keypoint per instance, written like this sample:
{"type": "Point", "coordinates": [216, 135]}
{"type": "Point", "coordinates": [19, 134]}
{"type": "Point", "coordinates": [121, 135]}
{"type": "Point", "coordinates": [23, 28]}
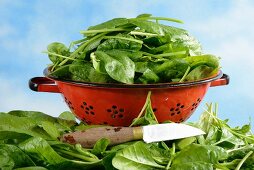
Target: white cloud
{"type": "Point", "coordinates": [236, 22]}
{"type": "Point", "coordinates": [14, 97]}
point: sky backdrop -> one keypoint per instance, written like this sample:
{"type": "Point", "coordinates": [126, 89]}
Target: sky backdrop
{"type": "Point", "coordinates": [224, 28]}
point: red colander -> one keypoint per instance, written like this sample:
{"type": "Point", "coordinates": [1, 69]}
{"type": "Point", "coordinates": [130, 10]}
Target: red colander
{"type": "Point", "coordinates": [119, 104]}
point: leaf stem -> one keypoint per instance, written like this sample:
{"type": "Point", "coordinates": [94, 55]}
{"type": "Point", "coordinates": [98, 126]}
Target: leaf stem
{"type": "Point", "coordinates": [76, 42]}
{"type": "Point", "coordinates": [243, 160]}
{"type": "Point", "coordinates": [143, 109]}
{"type": "Point", "coordinates": [103, 30]}
{"type": "Point", "coordinates": [58, 55]}
{"type": "Point", "coordinates": [185, 74]}
{"type": "Point", "coordinates": [84, 152]}
{"type": "Point", "coordinates": [142, 33]}
{"type": "Point", "coordinates": [172, 156]}
{"type": "Point", "coordinates": [150, 103]}
{"type": "Point", "coordinates": [82, 157]}
{"type": "Point", "coordinates": [81, 47]}
{"type": "Point", "coordinates": [159, 18]}
{"type": "Point", "coordinates": [124, 38]}
{"type": "Point", "coordinates": [165, 54]}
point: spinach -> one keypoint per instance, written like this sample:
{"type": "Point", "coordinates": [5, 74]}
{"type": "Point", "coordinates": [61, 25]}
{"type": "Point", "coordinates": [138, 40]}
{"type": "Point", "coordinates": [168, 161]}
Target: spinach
{"type": "Point", "coordinates": [120, 42]}
{"type": "Point", "coordinates": [28, 140]}
{"type": "Point", "coordinates": [100, 146]}
{"type": "Point", "coordinates": [86, 73]}
{"type": "Point", "coordinates": [200, 153]}
{"type": "Point", "coordinates": [13, 157]}
{"type": "Point", "coordinates": [172, 54]}
{"type": "Point", "coordinates": [116, 22]}
{"type": "Point", "coordinates": [136, 156]}
{"type": "Point", "coordinates": [159, 29]}
{"type": "Point", "coordinates": [172, 69]}
{"type": "Point", "coordinates": [26, 126]}
{"type": "Point", "coordinates": [193, 166]}
{"type": "Point", "coordinates": [146, 115]}
{"type": "Point", "coordinates": [39, 150]}
{"type": "Point", "coordinates": [57, 48]}
{"type": "Point", "coordinates": [119, 68]}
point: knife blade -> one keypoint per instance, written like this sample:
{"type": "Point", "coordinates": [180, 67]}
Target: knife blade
{"type": "Point", "coordinates": [116, 135]}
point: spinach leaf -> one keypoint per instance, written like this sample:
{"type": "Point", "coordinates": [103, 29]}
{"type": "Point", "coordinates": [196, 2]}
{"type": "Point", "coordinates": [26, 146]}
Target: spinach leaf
{"type": "Point", "coordinates": [86, 73]}
{"type": "Point", "coordinates": [61, 72]}
{"type": "Point", "coordinates": [146, 115]}
{"type": "Point", "coordinates": [13, 157]}
{"type": "Point", "coordinates": [43, 154]}
{"type": "Point", "coordinates": [133, 55]}
{"type": "Point", "coordinates": [120, 68]}
{"type": "Point", "coordinates": [32, 168]}
{"type": "Point", "coordinates": [144, 15]}
{"type": "Point", "coordinates": [107, 161]}
{"type": "Point", "coordinates": [100, 146]}
{"type": "Point", "coordinates": [152, 27]}
{"type": "Point", "coordinates": [25, 125]}
{"type": "Point", "coordinates": [67, 115]}
{"type": "Point", "coordinates": [136, 156]}
{"type": "Point", "coordinates": [61, 124]}
{"type": "Point", "coordinates": [148, 77]}
{"type": "Point", "coordinates": [153, 42]}
{"type": "Point", "coordinates": [186, 42]}
{"type": "Point", "coordinates": [159, 154]}
{"type": "Point", "coordinates": [116, 22]}
{"type": "Point", "coordinates": [200, 153]}
{"type": "Point", "coordinates": [193, 166]}
{"type": "Point", "coordinates": [120, 41]}
{"type": "Point", "coordinates": [57, 48]}
{"type": "Point", "coordinates": [199, 72]}
{"type": "Point", "coordinates": [50, 129]}
{"type": "Point", "coordinates": [171, 69]}
{"type": "Point", "coordinates": [6, 162]}
{"type": "Point", "coordinates": [208, 60]}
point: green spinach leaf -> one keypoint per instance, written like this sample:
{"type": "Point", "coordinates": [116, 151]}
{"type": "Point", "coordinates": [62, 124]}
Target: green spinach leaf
{"type": "Point", "coordinates": [86, 73]}
{"type": "Point", "coordinates": [13, 157]}
{"type": "Point", "coordinates": [152, 27]}
{"type": "Point", "coordinates": [120, 68]}
{"type": "Point", "coordinates": [120, 41]}
{"type": "Point", "coordinates": [57, 48]}
{"type": "Point", "coordinates": [200, 153]}
{"type": "Point", "coordinates": [136, 156]}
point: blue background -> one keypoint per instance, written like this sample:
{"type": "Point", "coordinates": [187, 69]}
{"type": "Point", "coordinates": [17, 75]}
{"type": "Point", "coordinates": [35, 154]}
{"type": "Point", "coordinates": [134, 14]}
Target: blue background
{"type": "Point", "coordinates": [224, 28]}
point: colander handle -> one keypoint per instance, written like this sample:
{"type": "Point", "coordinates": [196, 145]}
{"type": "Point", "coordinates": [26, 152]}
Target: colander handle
{"type": "Point", "coordinates": [43, 84]}
{"type": "Point", "coordinates": [224, 80]}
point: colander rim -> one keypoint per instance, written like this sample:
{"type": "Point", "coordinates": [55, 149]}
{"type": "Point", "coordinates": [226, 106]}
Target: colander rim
{"type": "Point", "coordinates": [119, 85]}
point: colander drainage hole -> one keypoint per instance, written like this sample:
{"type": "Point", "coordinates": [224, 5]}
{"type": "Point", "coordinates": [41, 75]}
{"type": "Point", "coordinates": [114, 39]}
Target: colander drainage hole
{"type": "Point", "coordinates": [88, 108]}
{"type": "Point", "coordinates": [154, 109]}
{"type": "Point", "coordinates": [69, 103]}
{"type": "Point", "coordinates": [176, 110]}
{"type": "Point", "coordinates": [115, 112]}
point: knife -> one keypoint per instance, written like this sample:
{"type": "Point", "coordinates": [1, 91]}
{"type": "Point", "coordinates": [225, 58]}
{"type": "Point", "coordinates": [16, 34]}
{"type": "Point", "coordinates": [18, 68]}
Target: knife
{"type": "Point", "coordinates": [116, 135]}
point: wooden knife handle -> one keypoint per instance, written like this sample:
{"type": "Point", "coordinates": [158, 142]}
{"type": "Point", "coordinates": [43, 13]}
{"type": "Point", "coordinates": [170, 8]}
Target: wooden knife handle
{"type": "Point", "coordinates": [116, 135]}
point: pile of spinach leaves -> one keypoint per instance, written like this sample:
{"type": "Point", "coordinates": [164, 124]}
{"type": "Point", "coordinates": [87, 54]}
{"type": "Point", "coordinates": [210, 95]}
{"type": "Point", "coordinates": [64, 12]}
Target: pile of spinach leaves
{"type": "Point", "coordinates": [134, 50]}
{"type": "Point", "coordinates": [29, 140]}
